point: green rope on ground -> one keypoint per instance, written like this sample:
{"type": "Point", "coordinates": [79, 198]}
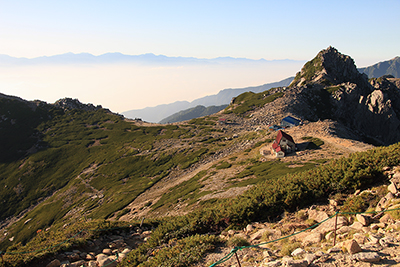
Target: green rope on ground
{"type": "Point", "coordinates": [227, 257]}
{"type": "Point", "coordinates": [313, 226]}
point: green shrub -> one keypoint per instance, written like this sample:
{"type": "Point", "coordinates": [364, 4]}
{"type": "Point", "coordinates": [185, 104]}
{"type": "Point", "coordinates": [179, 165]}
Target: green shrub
{"type": "Point", "coordinates": [395, 213]}
{"type": "Point", "coordinates": [223, 165]}
{"type": "Point", "coordinates": [289, 247]}
{"type": "Point", "coordinates": [238, 241]}
{"type": "Point", "coordinates": [359, 203]}
{"type": "Point", "coordinates": [313, 142]}
{"type": "Point", "coordinates": [249, 101]}
{"type": "Point", "coordinates": [179, 253]}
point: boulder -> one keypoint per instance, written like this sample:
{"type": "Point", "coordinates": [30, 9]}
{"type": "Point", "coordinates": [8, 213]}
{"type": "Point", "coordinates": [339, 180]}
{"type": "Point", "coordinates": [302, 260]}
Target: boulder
{"type": "Point", "coordinates": [360, 238]}
{"type": "Point", "coordinates": [267, 254]}
{"type": "Point", "coordinates": [117, 243]}
{"type": "Point", "coordinates": [329, 235]}
{"type": "Point", "coordinates": [386, 219]}
{"type": "Point", "coordinates": [386, 168]}
{"type": "Point", "coordinates": [374, 238]}
{"type": "Point", "coordinates": [309, 257]}
{"type": "Point", "coordinates": [289, 262]}
{"type": "Point", "coordinates": [334, 249]}
{"type": "Point", "coordinates": [276, 263]}
{"type": "Point", "coordinates": [298, 252]}
{"type": "Point", "coordinates": [146, 233]}
{"type": "Point", "coordinates": [384, 202]}
{"type": "Point", "coordinates": [73, 256]}
{"type": "Point", "coordinates": [317, 215]}
{"type": "Point", "coordinates": [352, 246]}
{"type": "Point", "coordinates": [90, 257]}
{"type": "Point", "coordinates": [333, 202]}
{"type": "Point", "coordinates": [249, 228]}
{"type": "Point", "coordinates": [329, 225]}
{"type": "Point", "coordinates": [343, 230]}
{"type": "Point", "coordinates": [392, 188]}
{"type": "Point", "coordinates": [357, 225]}
{"type": "Point", "coordinates": [54, 263]}
{"type": "Point", "coordinates": [363, 219]}
{"type": "Point", "coordinates": [376, 226]}
{"type": "Point", "coordinates": [396, 175]}
{"type": "Point", "coordinates": [126, 251]}
{"type": "Point", "coordinates": [386, 241]}
{"type": "Point", "coordinates": [257, 235]}
{"type": "Point", "coordinates": [101, 256]}
{"type": "Point", "coordinates": [109, 262]}
{"type": "Point", "coordinates": [312, 238]}
{"type": "Point", "coordinates": [107, 251]}
{"type": "Point", "coordinates": [77, 263]}
{"type": "Point", "coordinates": [366, 257]}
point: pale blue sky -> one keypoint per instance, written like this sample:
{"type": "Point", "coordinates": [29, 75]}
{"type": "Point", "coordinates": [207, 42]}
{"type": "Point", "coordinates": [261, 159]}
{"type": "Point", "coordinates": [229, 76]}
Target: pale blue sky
{"type": "Point", "coordinates": [366, 30]}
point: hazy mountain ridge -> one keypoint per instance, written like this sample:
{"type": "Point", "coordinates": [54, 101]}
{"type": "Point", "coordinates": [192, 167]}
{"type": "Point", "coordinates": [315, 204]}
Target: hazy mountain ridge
{"type": "Point", "coordinates": [389, 67]}
{"type": "Point", "coordinates": [114, 58]}
{"type": "Point", "coordinates": [196, 112]}
{"type": "Point", "coordinates": [224, 97]}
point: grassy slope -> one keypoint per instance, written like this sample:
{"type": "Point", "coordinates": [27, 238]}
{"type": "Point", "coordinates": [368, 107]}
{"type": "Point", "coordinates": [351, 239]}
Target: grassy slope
{"type": "Point", "coordinates": [128, 160]}
{"type": "Point", "coordinates": [267, 200]}
{"type": "Point", "coordinates": [76, 140]}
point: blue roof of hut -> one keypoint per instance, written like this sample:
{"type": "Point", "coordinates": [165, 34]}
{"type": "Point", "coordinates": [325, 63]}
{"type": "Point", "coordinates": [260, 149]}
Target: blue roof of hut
{"type": "Point", "coordinates": [290, 120]}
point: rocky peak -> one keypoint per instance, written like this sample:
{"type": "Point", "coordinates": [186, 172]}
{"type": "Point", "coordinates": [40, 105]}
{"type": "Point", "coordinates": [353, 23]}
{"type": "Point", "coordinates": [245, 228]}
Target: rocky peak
{"type": "Point", "coordinates": [69, 103]}
{"type": "Point", "coordinates": [329, 67]}
{"type": "Point", "coordinates": [330, 87]}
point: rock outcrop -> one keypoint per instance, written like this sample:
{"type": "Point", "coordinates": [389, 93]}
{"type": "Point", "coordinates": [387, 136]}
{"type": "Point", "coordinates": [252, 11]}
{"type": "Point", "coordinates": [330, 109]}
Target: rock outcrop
{"type": "Point", "coordinates": [107, 250]}
{"type": "Point", "coordinates": [69, 103]}
{"type": "Point", "coordinates": [330, 87]}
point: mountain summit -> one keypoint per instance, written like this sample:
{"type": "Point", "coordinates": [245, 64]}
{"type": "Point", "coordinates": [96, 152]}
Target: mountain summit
{"type": "Point", "coordinates": [329, 67]}
{"type": "Point", "coordinates": [330, 87]}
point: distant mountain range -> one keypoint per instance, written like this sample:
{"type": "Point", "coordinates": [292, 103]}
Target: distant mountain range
{"type": "Point", "coordinates": [390, 67]}
{"type": "Point", "coordinates": [117, 58]}
{"type": "Point", "coordinates": [224, 97]}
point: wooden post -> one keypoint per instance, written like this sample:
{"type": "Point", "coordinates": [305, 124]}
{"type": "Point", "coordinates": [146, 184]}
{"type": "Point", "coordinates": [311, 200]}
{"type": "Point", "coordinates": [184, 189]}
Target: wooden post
{"type": "Point", "coordinates": [334, 237]}
{"type": "Point", "coordinates": [237, 258]}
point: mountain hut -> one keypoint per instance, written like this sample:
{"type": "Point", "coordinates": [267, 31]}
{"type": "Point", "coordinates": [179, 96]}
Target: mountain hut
{"type": "Point", "coordinates": [289, 121]}
{"type": "Point", "coordinates": [283, 144]}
